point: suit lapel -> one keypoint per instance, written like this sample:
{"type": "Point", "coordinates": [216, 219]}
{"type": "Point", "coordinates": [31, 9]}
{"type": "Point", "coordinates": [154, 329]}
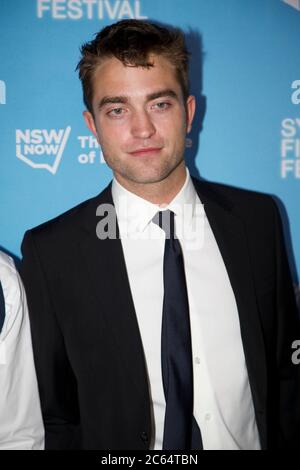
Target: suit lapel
{"type": "Point", "coordinates": [229, 232]}
{"type": "Point", "coordinates": [106, 269]}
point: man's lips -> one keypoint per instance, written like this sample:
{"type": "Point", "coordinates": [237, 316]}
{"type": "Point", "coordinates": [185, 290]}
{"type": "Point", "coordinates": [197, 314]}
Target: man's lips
{"type": "Point", "coordinates": [145, 151]}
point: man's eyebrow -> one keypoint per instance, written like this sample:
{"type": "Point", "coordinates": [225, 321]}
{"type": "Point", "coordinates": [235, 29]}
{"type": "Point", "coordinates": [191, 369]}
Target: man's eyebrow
{"type": "Point", "coordinates": [159, 94]}
{"type": "Point", "coordinates": [124, 99]}
{"type": "Point", "coordinates": [112, 100]}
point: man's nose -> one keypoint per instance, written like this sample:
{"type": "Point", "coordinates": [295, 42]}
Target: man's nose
{"type": "Point", "coordinates": [142, 126]}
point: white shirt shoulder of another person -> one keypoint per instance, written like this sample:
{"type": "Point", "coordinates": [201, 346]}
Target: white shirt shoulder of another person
{"type": "Point", "coordinates": [21, 425]}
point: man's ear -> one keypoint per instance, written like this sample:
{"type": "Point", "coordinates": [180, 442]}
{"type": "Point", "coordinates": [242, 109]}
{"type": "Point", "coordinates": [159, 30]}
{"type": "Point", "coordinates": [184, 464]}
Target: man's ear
{"type": "Point", "coordinates": [90, 122]}
{"type": "Point", "coordinates": [190, 112]}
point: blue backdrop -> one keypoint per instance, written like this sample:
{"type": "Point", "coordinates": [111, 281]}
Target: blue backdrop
{"type": "Point", "coordinates": [247, 86]}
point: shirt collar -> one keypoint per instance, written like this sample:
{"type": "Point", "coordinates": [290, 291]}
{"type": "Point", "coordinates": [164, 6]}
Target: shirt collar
{"type": "Point", "coordinates": [135, 213]}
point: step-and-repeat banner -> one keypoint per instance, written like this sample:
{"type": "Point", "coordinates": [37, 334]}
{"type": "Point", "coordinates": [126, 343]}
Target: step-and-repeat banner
{"type": "Point", "coordinates": [245, 74]}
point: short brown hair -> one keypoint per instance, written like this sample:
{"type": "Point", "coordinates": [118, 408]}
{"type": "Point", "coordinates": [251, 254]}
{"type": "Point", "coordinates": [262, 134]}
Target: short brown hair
{"type": "Point", "coordinates": [132, 41]}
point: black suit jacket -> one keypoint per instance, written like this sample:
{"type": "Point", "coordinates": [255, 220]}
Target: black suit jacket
{"type": "Point", "coordinates": [87, 346]}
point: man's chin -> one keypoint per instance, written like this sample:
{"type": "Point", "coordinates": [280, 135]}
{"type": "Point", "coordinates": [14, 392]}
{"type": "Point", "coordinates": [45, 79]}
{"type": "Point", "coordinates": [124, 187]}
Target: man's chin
{"type": "Point", "coordinates": [147, 179]}
{"type": "Point", "coordinates": [146, 176]}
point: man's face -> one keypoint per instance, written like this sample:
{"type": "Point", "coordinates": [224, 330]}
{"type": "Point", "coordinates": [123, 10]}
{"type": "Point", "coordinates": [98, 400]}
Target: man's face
{"type": "Point", "coordinates": [140, 119]}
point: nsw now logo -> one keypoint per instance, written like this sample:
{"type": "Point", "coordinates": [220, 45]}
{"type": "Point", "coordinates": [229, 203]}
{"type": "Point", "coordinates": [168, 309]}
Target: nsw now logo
{"type": "Point", "coordinates": [42, 148]}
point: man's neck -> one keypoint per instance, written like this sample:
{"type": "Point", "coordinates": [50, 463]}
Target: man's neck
{"type": "Point", "coordinates": [161, 192]}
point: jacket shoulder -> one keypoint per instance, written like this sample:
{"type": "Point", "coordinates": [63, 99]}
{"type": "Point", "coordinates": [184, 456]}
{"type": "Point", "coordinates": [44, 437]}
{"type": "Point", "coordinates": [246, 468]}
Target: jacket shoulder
{"type": "Point", "coordinates": [63, 221]}
{"type": "Point", "coordinates": [239, 200]}
{"type": "Point", "coordinates": [70, 222]}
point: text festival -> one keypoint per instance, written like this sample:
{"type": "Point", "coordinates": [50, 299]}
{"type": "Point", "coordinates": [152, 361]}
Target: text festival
{"type": "Point", "coordinates": [89, 9]}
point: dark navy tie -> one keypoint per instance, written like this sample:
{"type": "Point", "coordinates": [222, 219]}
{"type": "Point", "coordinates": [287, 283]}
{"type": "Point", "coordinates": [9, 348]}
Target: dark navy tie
{"type": "Point", "coordinates": [181, 431]}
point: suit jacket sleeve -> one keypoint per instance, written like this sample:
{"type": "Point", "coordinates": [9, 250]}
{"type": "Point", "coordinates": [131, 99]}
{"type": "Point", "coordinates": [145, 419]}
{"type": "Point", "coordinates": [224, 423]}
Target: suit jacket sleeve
{"type": "Point", "coordinates": [57, 384]}
{"type": "Point", "coordinates": [288, 330]}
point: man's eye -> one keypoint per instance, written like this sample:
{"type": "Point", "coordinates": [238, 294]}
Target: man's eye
{"type": "Point", "coordinates": [162, 105]}
{"type": "Point", "coordinates": [116, 112]}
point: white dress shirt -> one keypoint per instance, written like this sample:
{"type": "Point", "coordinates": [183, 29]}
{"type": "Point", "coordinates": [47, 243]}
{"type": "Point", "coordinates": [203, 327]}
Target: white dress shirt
{"type": "Point", "coordinates": [223, 405]}
{"type": "Point", "coordinates": [21, 425]}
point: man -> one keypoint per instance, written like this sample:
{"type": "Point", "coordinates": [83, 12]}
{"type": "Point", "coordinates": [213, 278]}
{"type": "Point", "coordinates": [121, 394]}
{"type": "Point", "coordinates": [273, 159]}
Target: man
{"type": "Point", "coordinates": [172, 328]}
{"type": "Point", "coordinates": [21, 425]}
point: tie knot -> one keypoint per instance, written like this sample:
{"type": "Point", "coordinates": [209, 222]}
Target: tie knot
{"type": "Point", "coordinates": [165, 220]}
